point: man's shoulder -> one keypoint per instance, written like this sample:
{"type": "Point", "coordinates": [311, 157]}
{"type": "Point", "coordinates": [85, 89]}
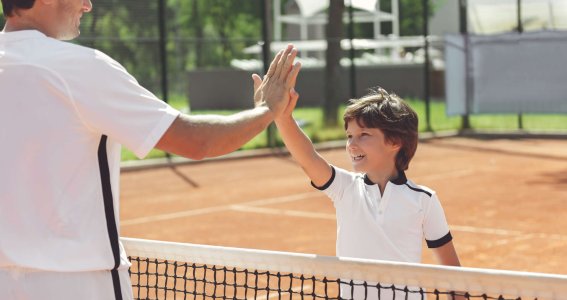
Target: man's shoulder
{"type": "Point", "coordinates": [68, 56]}
{"type": "Point", "coordinates": [67, 49]}
{"type": "Point", "coordinates": [34, 47]}
{"type": "Point", "coordinates": [55, 47]}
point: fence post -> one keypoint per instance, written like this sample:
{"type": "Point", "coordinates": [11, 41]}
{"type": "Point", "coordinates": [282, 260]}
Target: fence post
{"type": "Point", "coordinates": [520, 31]}
{"type": "Point", "coordinates": [266, 55]}
{"type": "Point", "coordinates": [163, 55]}
{"type": "Point", "coordinates": [426, 65]}
{"type": "Point", "coordinates": [351, 52]}
{"type": "Point", "coordinates": [162, 48]}
{"type": "Point", "coordinates": [463, 29]}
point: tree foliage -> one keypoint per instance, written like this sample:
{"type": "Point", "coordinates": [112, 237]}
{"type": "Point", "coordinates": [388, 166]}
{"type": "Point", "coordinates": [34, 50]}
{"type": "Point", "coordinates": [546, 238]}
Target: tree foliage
{"type": "Point", "coordinates": [200, 34]}
{"type": "Point", "coordinates": [411, 16]}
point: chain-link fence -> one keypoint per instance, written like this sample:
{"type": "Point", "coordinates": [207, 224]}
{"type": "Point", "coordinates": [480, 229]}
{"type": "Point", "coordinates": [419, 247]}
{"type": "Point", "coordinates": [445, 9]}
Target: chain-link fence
{"type": "Point", "coordinates": [197, 35]}
{"type": "Point", "coordinates": [216, 40]}
{"type": "Point", "coordinates": [201, 52]}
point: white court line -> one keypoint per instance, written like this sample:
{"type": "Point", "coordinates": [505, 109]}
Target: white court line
{"type": "Point", "coordinates": [214, 209]}
{"type": "Point", "coordinates": [252, 207]}
{"type": "Point", "coordinates": [283, 212]}
{"type": "Point", "coordinates": [504, 232]}
{"type": "Point", "coordinates": [444, 176]}
{"type": "Point", "coordinates": [171, 216]}
{"type": "Point", "coordinates": [290, 198]}
{"type": "Point", "coordinates": [458, 228]}
{"type": "Point", "coordinates": [494, 231]}
{"type": "Point", "coordinates": [507, 241]}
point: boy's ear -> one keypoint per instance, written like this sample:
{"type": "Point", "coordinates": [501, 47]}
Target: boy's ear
{"type": "Point", "coordinates": [396, 144]}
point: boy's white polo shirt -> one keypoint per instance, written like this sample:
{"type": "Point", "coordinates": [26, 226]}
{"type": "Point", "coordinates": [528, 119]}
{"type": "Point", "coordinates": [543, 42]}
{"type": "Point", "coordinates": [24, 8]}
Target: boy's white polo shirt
{"type": "Point", "coordinates": [66, 111]}
{"type": "Point", "coordinates": [385, 227]}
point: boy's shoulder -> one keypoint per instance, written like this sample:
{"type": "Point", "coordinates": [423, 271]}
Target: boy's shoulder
{"type": "Point", "coordinates": [419, 188]}
{"type": "Point", "coordinates": [347, 173]}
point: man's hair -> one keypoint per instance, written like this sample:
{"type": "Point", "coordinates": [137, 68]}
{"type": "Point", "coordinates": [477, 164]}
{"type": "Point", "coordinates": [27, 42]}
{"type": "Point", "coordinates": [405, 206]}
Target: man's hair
{"type": "Point", "coordinates": [10, 5]}
{"type": "Point", "coordinates": [392, 115]}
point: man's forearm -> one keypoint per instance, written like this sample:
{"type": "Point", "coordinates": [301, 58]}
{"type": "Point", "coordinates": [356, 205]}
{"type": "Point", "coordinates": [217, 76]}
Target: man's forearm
{"type": "Point", "coordinates": [232, 132]}
{"type": "Point", "coordinates": [202, 136]}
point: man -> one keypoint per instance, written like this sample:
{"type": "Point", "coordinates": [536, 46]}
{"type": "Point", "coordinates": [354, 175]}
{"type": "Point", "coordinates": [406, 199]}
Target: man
{"type": "Point", "coordinates": [66, 110]}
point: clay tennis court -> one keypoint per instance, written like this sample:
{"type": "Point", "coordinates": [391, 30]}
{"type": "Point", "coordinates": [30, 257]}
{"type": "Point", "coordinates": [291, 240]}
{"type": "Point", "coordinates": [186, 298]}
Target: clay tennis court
{"type": "Point", "coordinates": [505, 200]}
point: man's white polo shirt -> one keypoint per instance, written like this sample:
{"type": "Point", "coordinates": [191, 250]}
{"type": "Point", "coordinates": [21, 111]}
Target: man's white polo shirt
{"type": "Point", "coordinates": [66, 110]}
{"type": "Point", "coordinates": [385, 227]}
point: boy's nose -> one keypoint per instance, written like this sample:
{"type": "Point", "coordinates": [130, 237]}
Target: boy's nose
{"type": "Point", "coordinates": [351, 144]}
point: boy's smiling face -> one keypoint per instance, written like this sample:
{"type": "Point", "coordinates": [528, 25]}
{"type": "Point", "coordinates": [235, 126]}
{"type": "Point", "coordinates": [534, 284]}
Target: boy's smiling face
{"type": "Point", "coordinates": [368, 149]}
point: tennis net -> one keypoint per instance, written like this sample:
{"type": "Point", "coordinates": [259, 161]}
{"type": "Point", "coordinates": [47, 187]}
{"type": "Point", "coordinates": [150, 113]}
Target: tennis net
{"type": "Point", "coordinates": [167, 270]}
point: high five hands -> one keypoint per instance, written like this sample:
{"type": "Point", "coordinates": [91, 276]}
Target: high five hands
{"type": "Point", "coordinates": [276, 89]}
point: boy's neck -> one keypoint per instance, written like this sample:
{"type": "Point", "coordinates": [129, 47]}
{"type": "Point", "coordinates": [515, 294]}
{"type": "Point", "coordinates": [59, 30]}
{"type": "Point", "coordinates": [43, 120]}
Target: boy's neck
{"type": "Point", "coordinates": [381, 178]}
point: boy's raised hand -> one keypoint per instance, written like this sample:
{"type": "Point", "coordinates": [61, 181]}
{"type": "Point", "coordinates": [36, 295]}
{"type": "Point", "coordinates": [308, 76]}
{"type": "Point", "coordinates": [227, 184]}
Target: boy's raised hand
{"type": "Point", "coordinates": [287, 113]}
{"type": "Point", "coordinates": [275, 88]}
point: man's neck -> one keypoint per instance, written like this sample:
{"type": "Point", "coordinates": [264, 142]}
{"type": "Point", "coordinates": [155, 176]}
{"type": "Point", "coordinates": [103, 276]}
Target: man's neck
{"type": "Point", "coordinates": [23, 21]}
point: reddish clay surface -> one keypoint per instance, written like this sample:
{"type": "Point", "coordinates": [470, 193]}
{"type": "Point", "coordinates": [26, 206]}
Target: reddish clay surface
{"type": "Point", "coordinates": [505, 200]}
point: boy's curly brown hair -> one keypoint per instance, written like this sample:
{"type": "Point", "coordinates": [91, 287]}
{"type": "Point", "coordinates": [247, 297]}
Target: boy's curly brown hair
{"type": "Point", "coordinates": [392, 115]}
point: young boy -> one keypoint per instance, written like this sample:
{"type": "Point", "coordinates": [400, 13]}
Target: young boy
{"type": "Point", "coordinates": [380, 213]}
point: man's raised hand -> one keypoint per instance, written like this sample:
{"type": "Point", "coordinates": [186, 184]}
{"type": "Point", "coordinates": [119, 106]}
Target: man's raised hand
{"type": "Point", "coordinates": [274, 89]}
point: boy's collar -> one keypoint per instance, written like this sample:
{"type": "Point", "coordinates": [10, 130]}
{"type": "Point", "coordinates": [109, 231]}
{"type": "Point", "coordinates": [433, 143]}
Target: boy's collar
{"type": "Point", "coordinates": [401, 179]}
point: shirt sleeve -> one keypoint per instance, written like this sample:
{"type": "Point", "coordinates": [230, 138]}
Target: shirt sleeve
{"type": "Point", "coordinates": [435, 227]}
{"type": "Point", "coordinates": [111, 102]}
{"type": "Point", "coordinates": [335, 187]}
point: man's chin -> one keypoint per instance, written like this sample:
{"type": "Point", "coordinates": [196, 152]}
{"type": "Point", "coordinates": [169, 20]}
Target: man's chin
{"type": "Point", "coordinates": [69, 36]}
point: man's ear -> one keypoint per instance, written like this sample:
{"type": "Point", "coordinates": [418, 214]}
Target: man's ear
{"type": "Point", "coordinates": [45, 2]}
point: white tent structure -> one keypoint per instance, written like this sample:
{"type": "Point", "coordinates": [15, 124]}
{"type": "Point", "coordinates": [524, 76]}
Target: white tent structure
{"type": "Point", "coordinates": [311, 14]}
{"type": "Point", "coordinates": [493, 17]}
{"type": "Point", "coordinates": [511, 62]}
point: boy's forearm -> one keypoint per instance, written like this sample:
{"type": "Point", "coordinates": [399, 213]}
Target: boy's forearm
{"type": "Point", "coordinates": [296, 141]}
{"type": "Point", "coordinates": [447, 255]}
{"type": "Point", "coordinates": [303, 151]}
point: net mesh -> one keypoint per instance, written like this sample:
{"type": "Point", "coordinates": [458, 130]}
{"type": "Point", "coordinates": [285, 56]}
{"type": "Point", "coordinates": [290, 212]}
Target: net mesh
{"type": "Point", "coordinates": [185, 271]}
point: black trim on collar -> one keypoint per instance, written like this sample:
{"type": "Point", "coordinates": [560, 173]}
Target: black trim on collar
{"type": "Point", "coordinates": [367, 180]}
{"type": "Point", "coordinates": [440, 242]}
{"type": "Point", "coordinates": [328, 183]}
{"type": "Point", "coordinates": [419, 190]}
{"type": "Point", "coordinates": [401, 179]}
{"type": "Point", "coordinates": [109, 214]}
